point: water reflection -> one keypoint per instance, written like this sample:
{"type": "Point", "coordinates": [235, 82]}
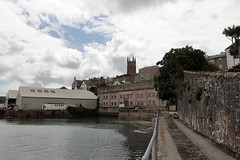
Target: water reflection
{"type": "Point", "coordinates": [85, 138]}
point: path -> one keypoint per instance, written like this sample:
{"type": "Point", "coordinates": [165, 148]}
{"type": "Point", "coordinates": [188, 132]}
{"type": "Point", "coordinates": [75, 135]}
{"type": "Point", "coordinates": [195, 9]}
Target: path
{"type": "Point", "coordinates": [177, 142]}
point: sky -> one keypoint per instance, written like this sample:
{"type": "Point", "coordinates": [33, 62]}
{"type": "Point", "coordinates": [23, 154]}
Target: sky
{"type": "Point", "coordinates": [46, 43]}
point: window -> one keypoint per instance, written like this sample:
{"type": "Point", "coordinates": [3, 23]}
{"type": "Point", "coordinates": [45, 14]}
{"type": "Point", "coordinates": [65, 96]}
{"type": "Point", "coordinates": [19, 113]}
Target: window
{"type": "Point", "coordinates": [141, 76]}
{"type": "Point", "coordinates": [46, 91]}
{"type": "Point", "coordinates": [32, 90]}
{"type": "Point", "coordinates": [149, 94]}
{"type": "Point", "coordinates": [52, 91]}
{"type": "Point", "coordinates": [120, 96]}
{"type": "Point", "coordinates": [153, 94]}
{"type": "Point", "coordinates": [153, 103]}
{"type": "Point", "coordinates": [148, 76]}
{"type": "Point", "coordinates": [40, 91]}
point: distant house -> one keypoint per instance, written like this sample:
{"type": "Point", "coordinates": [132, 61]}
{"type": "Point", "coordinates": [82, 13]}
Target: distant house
{"type": "Point", "coordinates": [139, 92]}
{"type": "Point", "coordinates": [34, 98]}
{"type": "Point", "coordinates": [231, 60]}
{"type": "Point", "coordinates": [87, 84]}
{"type": "Point", "coordinates": [219, 60]}
{"type": "Point", "coordinates": [11, 97]}
{"type": "Point", "coordinates": [224, 60]}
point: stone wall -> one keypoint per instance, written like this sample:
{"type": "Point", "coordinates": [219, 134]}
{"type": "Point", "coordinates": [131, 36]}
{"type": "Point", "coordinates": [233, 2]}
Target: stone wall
{"type": "Point", "coordinates": [142, 114]}
{"type": "Point", "coordinates": [210, 104]}
{"type": "Point", "coordinates": [108, 111]}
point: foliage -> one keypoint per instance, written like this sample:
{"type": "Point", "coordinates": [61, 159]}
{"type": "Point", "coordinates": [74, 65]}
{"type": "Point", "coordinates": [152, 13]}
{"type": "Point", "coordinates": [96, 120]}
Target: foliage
{"type": "Point", "coordinates": [94, 90]}
{"type": "Point", "coordinates": [198, 93]}
{"type": "Point", "coordinates": [235, 68]}
{"type": "Point", "coordinates": [173, 64]}
{"type": "Point", "coordinates": [233, 34]}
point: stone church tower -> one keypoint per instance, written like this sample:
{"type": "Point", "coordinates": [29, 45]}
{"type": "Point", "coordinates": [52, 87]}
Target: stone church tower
{"type": "Point", "coordinates": [131, 65]}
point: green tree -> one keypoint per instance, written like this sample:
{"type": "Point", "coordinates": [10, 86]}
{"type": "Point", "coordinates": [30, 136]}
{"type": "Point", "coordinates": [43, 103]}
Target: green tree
{"type": "Point", "coordinates": [171, 70]}
{"type": "Point", "coordinates": [233, 34]}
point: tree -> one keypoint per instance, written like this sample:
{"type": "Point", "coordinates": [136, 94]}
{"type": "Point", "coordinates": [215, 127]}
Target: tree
{"type": "Point", "coordinates": [171, 70]}
{"type": "Point", "coordinates": [233, 34]}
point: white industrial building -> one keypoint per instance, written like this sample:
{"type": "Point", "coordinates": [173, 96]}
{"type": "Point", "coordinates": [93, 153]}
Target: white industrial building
{"type": "Point", "coordinates": [11, 97]}
{"type": "Point", "coordinates": [36, 98]}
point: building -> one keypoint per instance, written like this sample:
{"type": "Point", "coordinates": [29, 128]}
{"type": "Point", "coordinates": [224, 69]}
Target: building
{"type": "Point", "coordinates": [34, 98]}
{"type": "Point", "coordinates": [224, 60]}
{"type": "Point", "coordinates": [140, 93]}
{"type": "Point", "coordinates": [127, 90]}
{"type": "Point", "coordinates": [131, 66]}
{"type": "Point", "coordinates": [2, 102]}
{"type": "Point", "coordinates": [11, 97]}
{"type": "Point", "coordinates": [219, 60]}
{"type": "Point", "coordinates": [231, 60]}
{"type": "Point", "coordinates": [87, 84]}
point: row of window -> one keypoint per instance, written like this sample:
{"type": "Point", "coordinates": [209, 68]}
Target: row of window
{"type": "Point", "coordinates": [129, 96]}
{"type": "Point", "coordinates": [42, 91]}
{"type": "Point", "coordinates": [139, 103]}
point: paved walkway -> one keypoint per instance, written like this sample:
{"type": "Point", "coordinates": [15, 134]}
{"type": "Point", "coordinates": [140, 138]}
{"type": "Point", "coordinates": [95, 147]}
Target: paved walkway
{"type": "Point", "coordinates": [177, 142]}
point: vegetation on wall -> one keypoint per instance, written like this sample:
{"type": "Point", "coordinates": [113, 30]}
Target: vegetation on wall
{"type": "Point", "coordinates": [233, 34]}
{"type": "Point", "coordinates": [174, 62]}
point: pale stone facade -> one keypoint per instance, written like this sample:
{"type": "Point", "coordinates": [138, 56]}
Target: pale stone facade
{"type": "Point", "coordinates": [140, 93]}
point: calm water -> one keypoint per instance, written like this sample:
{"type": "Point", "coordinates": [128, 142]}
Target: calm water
{"type": "Point", "coordinates": [72, 139]}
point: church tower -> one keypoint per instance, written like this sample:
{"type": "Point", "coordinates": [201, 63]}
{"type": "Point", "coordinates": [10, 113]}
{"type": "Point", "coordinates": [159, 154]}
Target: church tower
{"type": "Point", "coordinates": [131, 65]}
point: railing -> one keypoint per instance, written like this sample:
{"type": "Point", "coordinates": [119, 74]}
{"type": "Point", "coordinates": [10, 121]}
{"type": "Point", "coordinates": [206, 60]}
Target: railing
{"type": "Point", "coordinates": [152, 146]}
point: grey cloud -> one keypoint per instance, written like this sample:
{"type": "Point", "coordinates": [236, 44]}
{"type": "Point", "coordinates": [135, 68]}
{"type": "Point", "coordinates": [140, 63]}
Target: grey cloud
{"type": "Point", "coordinates": [44, 78]}
{"type": "Point", "coordinates": [130, 5]}
{"type": "Point", "coordinates": [70, 64]}
{"type": "Point", "coordinates": [119, 64]}
{"type": "Point", "coordinates": [3, 68]}
{"type": "Point", "coordinates": [92, 72]}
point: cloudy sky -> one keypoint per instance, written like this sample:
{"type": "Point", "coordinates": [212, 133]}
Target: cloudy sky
{"type": "Point", "coordinates": [45, 43]}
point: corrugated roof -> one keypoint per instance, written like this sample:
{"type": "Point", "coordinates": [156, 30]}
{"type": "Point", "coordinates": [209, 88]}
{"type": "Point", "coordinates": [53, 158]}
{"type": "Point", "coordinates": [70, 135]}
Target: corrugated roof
{"type": "Point", "coordinates": [56, 93]}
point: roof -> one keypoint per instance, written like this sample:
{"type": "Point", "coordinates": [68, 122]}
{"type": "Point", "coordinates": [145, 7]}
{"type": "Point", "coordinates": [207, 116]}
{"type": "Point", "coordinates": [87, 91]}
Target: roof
{"type": "Point", "coordinates": [12, 94]}
{"type": "Point", "coordinates": [55, 93]}
{"type": "Point", "coordinates": [221, 55]}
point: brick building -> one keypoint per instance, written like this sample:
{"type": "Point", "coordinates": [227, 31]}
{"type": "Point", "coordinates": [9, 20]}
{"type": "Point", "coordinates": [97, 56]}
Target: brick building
{"type": "Point", "coordinates": [140, 92]}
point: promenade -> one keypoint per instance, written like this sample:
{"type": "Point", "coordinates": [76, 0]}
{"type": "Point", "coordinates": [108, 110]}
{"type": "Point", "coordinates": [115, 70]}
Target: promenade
{"type": "Point", "coordinates": [177, 142]}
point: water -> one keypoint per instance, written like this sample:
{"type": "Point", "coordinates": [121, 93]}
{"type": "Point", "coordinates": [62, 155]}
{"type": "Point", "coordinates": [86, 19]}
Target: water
{"type": "Point", "coordinates": [72, 139]}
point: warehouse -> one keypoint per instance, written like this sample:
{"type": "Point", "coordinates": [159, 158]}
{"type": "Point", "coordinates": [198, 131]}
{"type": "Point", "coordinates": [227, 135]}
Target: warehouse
{"type": "Point", "coordinates": [37, 98]}
{"type": "Point", "coordinates": [11, 97]}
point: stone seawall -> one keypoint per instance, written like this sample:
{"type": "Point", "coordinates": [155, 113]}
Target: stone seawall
{"type": "Point", "coordinates": [142, 114]}
{"type": "Point", "coordinates": [210, 104]}
{"type": "Point", "coordinates": [34, 114]}
{"type": "Point", "coordinates": [108, 111]}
